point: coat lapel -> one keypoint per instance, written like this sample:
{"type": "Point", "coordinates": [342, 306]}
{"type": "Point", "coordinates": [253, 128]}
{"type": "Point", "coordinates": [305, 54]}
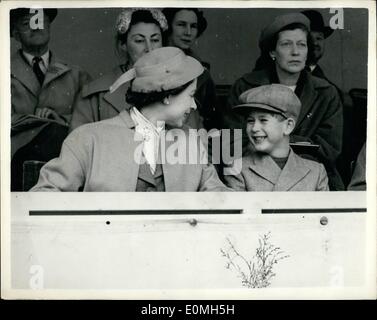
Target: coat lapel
{"type": "Point", "coordinates": [292, 173]}
{"type": "Point", "coordinates": [132, 152]}
{"type": "Point", "coordinates": [24, 73]}
{"type": "Point", "coordinates": [265, 167]}
{"type": "Point", "coordinates": [55, 70]}
{"type": "Point", "coordinates": [118, 98]}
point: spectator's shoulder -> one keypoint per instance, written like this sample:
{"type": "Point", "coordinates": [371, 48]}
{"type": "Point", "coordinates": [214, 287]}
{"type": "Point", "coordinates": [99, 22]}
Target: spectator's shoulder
{"type": "Point", "coordinates": [104, 127]}
{"type": "Point", "coordinates": [102, 83]}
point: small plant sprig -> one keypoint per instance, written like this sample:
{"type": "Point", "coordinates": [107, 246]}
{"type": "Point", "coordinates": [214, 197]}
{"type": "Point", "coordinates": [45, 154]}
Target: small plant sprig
{"type": "Point", "coordinates": [258, 271]}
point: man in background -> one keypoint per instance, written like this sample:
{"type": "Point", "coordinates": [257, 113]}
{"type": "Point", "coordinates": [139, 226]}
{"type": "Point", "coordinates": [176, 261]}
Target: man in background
{"type": "Point", "coordinates": [43, 89]}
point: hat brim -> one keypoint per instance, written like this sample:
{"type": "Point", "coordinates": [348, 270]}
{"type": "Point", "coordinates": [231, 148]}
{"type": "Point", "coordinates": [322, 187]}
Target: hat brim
{"type": "Point", "coordinates": [15, 14]}
{"type": "Point", "coordinates": [327, 32]}
{"type": "Point", "coordinates": [278, 24]}
{"type": "Point", "coordinates": [189, 70]}
{"type": "Point", "coordinates": [248, 107]}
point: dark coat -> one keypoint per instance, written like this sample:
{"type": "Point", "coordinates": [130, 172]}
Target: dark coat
{"type": "Point", "coordinates": [318, 72]}
{"type": "Point", "coordinates": [206, 116]}
{"type": "Point", "coordinates": [320, 120]}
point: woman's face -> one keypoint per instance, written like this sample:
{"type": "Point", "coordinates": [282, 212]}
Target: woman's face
{"type": "Point", "coordinates": [291, 51]}
{"type": "Point", "coordinates": [180, 106]}
{"type": "Point", "coordinates": [141, 39]}
{"type": "Point", "coordinates": [184, 29]}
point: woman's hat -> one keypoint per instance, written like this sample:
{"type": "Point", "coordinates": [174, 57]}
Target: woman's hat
{"type": "Point", "coordinates": [124, 19]}
{"type": "Point", "coordinates": [18, 13]}
{"type": "Point", "coordinates": [276, 98]}
{"type": "Point", "coordinates": [279, 23]}
{"type": "Point", "coordinates": [160, 70]}
{"type": "Point", "coordinates": [316, 22]}
{"type": "Point", "coordinates": [202, 21]}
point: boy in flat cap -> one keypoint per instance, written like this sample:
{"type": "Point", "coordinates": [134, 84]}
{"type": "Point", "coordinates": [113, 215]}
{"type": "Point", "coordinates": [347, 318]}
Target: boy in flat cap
{"type": "Point", "coordinates": [43, 90]}
{"type": "Point", "coordinates": [271, 165]}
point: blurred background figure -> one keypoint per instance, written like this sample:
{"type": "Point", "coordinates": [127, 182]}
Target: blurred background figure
{"type": "Point", "coordinates": [358, 181]}
{"type": "Point", "coordinates": [285, 45]}
{"type": "Point", "coordinates": [43, 89]}
{"type": "Point", "coordinates": [318, 33]}
{"type": "Point", "coordinates": [137, 32]}
{"type": "Point", "coordinates": [186, 25]}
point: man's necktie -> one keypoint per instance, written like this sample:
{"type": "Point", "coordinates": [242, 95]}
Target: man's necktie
{"type": "Point", "coordinates": [37, 69]}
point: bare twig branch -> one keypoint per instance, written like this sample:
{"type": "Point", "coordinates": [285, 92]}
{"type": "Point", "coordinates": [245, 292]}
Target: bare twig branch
{"type": "Point", "coordinates": [259, 270]}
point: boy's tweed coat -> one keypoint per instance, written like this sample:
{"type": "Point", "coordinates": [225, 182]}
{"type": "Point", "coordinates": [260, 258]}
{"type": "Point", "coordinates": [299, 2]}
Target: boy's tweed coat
{"type": "Point", "coordinates": [261, 173]}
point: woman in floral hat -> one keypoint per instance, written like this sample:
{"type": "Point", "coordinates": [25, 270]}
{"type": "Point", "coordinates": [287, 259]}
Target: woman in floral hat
{"type": "Point", "coordinates": [138, 31]}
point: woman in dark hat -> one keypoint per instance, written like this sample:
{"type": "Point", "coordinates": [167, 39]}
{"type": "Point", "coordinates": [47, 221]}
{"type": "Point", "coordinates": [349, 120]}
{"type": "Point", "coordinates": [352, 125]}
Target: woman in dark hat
{"type": "Point", "coordinates": [137, 31]}
{"type": "Point", "coordinates": [285, 47]}
{"type": "Point", "coordinates": [186, 25]}
{"type": "Point", "coordinates": [134, 151]}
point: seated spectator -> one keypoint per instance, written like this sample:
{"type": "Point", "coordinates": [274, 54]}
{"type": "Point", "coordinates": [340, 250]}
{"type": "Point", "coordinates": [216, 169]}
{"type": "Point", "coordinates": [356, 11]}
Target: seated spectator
{"type": "Point", "coordinates": [284, 44]}
{"type": "Point", "coordinates": [358, 180]}
{"type": "Point", "coordinates": [271, 112]}
{"type": "Point", "coordinates": [138, 31]}
{"type": "Point", "coordinates": [43, 89]}
{"type": "Point", "coordinates": [186, 25]}
{"type": "Point", "coordinates": [130, 152]}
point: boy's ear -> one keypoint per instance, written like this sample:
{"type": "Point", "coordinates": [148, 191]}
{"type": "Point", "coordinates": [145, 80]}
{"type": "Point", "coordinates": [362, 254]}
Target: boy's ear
{"type": "Point", "coordinates": [290, 125]}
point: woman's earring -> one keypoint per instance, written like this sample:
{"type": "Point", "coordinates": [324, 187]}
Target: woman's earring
{"type": "Point", "coordinates": [273, 58]}
{"type": "Point", "coordinates": [166, 101]}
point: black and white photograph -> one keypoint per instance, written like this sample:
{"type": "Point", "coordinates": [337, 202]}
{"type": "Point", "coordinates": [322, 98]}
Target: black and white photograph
{"type": "Point", "coordinates": [251, 125]}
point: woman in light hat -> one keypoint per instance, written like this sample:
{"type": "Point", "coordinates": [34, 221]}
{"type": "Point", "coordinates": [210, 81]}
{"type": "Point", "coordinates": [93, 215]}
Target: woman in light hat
{"type": "Point", "coordinates": [186, 25]}
{"type": "Point", "coordinates": [138, 31]}
{"type": "Point", "coordinates": [285, 47]}
{"type": "Point", "coordinates": [133, 151]}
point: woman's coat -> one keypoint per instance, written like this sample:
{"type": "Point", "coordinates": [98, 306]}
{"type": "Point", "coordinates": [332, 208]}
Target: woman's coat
{"type": "Point", "coordinates": [105, 156]}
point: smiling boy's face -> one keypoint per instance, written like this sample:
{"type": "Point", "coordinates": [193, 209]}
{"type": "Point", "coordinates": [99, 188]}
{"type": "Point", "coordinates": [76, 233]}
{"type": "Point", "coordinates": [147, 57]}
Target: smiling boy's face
{"type": "Point", "coordinates": [268, 132]}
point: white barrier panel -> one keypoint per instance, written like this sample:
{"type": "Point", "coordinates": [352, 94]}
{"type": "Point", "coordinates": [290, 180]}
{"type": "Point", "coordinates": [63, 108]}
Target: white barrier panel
{"type": "Point", "coordinates": [96, 244]}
